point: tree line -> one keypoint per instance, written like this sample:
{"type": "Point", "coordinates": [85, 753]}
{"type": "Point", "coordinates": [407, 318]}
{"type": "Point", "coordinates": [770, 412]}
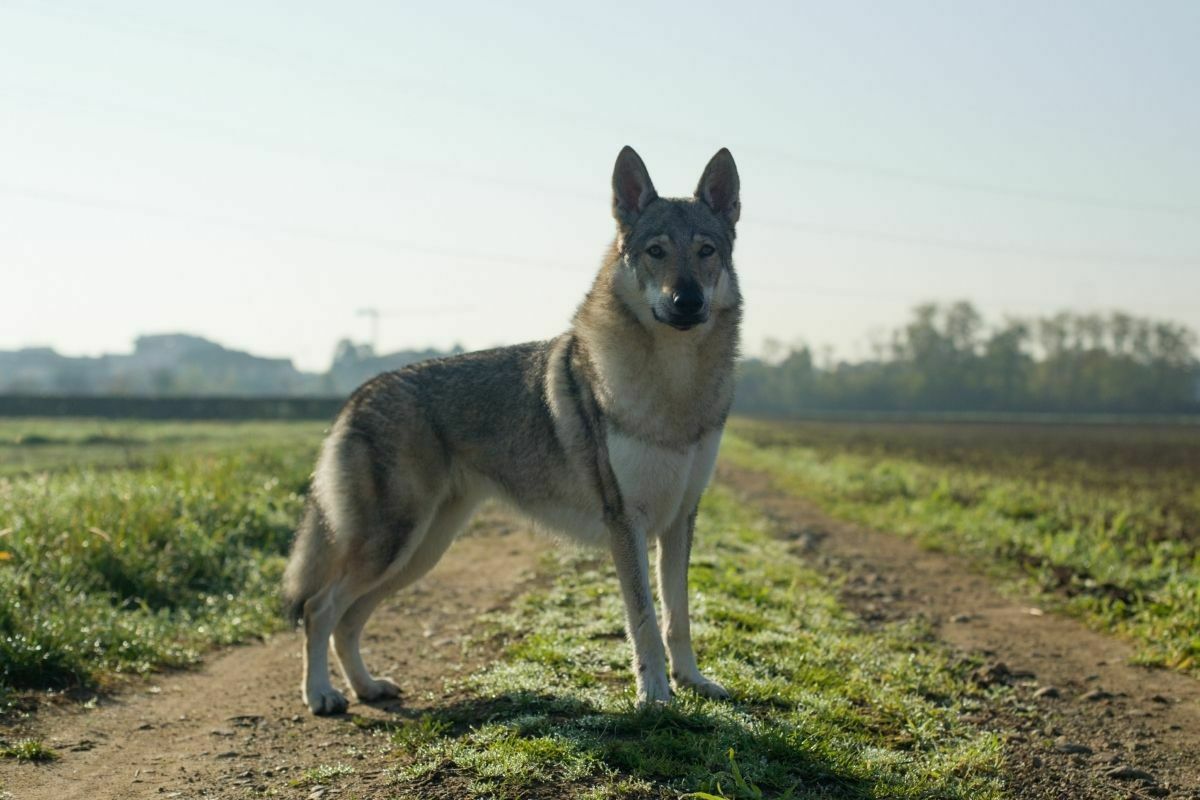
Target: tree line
{"type": "Point", "coordinates": [948, 358]}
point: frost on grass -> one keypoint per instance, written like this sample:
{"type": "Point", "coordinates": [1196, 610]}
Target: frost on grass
{"type": "Point", "coordinates": [1101, 530]}
{"type": "Point", "coordinates": [822, 707]}
{"type": "Point", "coordinates": [27, 750]}
{"type": "Point", "coordinates": [129, 570]}
{"type": "Point", "coordinates": [322, 775]}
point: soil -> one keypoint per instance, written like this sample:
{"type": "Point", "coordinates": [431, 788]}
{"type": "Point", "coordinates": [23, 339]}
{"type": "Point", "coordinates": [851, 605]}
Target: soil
{"type": "Point", "coordinates": [238, 727]}
{"type": "Point", "coordinates": [1079, 722]}
{"type": "Point", "coordinates": [1082, 722]}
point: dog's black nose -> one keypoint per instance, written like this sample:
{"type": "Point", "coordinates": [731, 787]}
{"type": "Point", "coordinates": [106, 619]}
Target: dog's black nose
{"type": "Point", "coordinates": [688, 300]}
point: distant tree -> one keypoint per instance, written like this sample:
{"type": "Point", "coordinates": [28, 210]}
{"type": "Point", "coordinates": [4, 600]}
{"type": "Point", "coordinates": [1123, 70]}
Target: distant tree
{"type": "Point", "coordinates": [1006, 366]}
{"type": "Point", "coordinates": [946, 358]}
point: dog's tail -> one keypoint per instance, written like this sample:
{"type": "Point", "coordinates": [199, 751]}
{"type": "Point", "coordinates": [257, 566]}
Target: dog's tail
{"type": "Point", "coordinates": [309, 564]}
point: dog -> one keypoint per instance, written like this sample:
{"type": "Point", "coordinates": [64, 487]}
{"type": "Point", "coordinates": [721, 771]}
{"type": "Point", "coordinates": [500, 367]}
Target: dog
{"type": "Point", "coordinates": [607, 434]}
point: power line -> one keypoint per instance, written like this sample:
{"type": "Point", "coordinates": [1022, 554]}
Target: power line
{"type": "Point", "coordinates": [506, 106]}
{"type": "Point", "coordinates": [246, 137]}
{"type": "Point", "coordinates": [292, 231]}
{"type": "Point", "coordinates": [989, 248]}
{"type": "Point", "coordinates": [1009, 250]}
{"type": "Point", "coordinates": [979, 187]}
{"type": "Point", "coordinates": [826, 291]}
{"type": "Point", "coordinates": [231, 133]}
{"type": "Point", "coordinates": [526, 263]}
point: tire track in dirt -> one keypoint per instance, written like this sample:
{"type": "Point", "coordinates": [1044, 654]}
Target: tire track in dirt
{"type": "Point", "coordinates": [1083, 722]}
{"type": "Point", "coordinates": [237, 726]}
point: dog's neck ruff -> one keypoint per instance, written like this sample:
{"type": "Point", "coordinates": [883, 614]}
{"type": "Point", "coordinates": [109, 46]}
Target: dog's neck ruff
{"type": "Point", "coordinates": [653, 382]}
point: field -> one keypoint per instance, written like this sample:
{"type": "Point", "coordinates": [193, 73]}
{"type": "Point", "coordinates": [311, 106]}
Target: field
{"type": "Point", "coordinates": [124, 548]}
{"type": "Point", "coordinates": [30, 446]}
{"type": "Point", "coordinates": [1102, 521]}
{"type": "Point", "coordinates": [127, 549]}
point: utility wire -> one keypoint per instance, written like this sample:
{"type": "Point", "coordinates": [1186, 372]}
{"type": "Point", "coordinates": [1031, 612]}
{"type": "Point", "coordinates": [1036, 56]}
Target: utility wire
{"type": "Point", "coordinates": [1011, 250]}
{"type": "Point", "coordinates": [547, 265]}
{"type": "Point", "coordinates": [956, 184]}
{"type": "Point", "coordinates": [350, 74]}
{"type": "Point", "coordinates": [291, 231]}
{"type": "Point", "coordinates": [989, 248]}
{"type": "Point", "coordinates": [243, 136]}
{"type": "Point", "coordinates": [265, 142]}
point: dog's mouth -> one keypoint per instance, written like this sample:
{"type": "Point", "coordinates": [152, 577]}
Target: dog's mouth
{"type": "Point", "coordinates": [681, 322]}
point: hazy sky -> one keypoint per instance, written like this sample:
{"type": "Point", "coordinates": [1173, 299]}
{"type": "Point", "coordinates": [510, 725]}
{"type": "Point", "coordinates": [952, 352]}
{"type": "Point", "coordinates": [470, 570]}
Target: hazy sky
{"type": "Point", "coordinates": [257, 172]}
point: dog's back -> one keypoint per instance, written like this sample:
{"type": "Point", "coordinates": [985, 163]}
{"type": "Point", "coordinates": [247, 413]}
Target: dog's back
{"type": "Point", "coordinates": [407, 441]}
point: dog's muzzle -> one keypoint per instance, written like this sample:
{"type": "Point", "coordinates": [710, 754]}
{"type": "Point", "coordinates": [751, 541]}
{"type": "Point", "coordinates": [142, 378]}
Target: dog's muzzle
{"type": "Point", "coordinates": [687, 308]}
{"type": "Point", "coordinates": [681, 322]}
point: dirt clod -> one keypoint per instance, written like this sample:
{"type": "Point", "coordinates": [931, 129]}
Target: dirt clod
{"type": "Point", "coordinates": [1063, 745]}
{"type": "Point", "coordinates": [991, 674]}
{"type": "Point", "coordinates": [1129, 774]}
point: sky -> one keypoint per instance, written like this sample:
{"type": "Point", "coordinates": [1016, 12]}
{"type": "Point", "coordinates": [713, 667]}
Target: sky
{"type": "Point", "coordinates": [258, 173]}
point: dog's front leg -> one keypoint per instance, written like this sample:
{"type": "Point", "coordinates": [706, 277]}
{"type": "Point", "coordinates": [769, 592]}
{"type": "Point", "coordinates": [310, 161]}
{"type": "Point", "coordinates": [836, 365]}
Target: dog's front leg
{"type": "Point", "coordinates": [649, 657]}
{"type": "Point", "coordinates": [674, 552]}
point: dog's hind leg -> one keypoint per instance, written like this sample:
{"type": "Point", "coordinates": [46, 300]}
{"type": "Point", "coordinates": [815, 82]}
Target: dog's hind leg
{"type": "Point", "coordinates": [346, 635]}
{"type": "Point", "coordinates": [321, 613]}
{"type": "Point", "coordinates": [450, 517]}
{"type": "Point", "coordinates": [359, 585]}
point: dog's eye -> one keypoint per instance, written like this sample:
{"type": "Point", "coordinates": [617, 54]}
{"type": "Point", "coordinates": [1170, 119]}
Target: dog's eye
{"type": "Point", "coordinates": [656, 251]}
{"type": "Point", "coordinates": [707, 251]}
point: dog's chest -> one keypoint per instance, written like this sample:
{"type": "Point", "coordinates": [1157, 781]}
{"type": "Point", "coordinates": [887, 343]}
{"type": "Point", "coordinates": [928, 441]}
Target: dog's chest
{"type": "Point", "coordinates": [654, 481]}
{"type": "Point", "coordinates": [671, 396]}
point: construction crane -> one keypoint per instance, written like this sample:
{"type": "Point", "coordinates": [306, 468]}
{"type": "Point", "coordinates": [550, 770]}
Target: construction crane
{"type": "Point", "coordinates": [375, 314]}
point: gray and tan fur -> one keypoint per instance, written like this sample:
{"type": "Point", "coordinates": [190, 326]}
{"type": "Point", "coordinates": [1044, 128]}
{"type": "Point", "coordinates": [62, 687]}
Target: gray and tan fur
{"type": "Point", "coordinates": [607, 434]}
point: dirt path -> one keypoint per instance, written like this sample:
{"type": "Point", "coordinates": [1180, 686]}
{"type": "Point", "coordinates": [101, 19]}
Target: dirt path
{"type": "Point", "coordinates": [1080, 723]}
{"type": "Point", "coordinates": [1076, 690]}
{"type": "Point", "coordinates": [237, 727]}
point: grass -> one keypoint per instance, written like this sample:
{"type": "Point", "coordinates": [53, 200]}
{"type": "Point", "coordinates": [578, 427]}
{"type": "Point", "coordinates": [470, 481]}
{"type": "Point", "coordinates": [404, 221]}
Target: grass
{"type": "Point", "coordinates": [822, 706]}
{"type": "Point", "coordinates": [39, 445]}
{"type": "Point", "coordinates": [130, 569]}
{"type": "Point", "coordinates": [131, 548]}
{"type": "Point", "coordinates": [30, 750]}
{"type": "Point", "coordinates": [322, 775]}
{"type": "Point", "coordinates": [1102, 522]}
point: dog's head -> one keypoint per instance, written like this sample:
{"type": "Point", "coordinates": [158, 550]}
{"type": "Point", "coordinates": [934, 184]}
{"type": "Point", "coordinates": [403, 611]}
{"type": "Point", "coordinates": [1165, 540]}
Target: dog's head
{"type": "Point", "coordinates": [676, 253]}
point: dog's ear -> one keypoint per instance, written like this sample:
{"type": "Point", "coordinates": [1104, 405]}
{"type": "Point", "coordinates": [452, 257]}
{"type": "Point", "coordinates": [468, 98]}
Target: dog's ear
{"type": "Point", "coordinates": [632, 189]}
{"type": "Point", "coordinates": [719, 186]}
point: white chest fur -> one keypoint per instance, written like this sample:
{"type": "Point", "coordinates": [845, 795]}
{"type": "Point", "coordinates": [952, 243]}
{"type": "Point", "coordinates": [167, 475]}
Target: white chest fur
{"type": "Point", "coordinates": [659, 484]}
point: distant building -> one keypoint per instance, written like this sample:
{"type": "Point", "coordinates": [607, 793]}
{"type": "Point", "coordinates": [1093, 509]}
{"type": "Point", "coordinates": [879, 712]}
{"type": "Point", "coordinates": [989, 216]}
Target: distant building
{"type": "Point", "coordinates": [355, 363]}
{"type": "Point", "coordinates": [182, 364]}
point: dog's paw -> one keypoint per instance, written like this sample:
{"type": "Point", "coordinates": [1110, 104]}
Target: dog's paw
{"type": "Point", "coordinates": [654, 692]}
{"type": "Point", "coordinates": [379, 689]}
{"type": "Point", "coordinates": [704, 687]}
{"type": "Point", "coordinates": [326, 701]}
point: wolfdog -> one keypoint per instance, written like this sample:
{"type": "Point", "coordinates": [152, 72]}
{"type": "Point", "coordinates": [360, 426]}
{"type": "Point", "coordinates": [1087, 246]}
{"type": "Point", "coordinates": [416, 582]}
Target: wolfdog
{"type": "Point", "coordinates": [607, 434]}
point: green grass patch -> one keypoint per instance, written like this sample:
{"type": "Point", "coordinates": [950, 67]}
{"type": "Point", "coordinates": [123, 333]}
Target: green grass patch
{"type": "Point", "coordinates": [322, 775]}
{"type": "Point", "coordinates": [30, 750]}
{"type": "Point", "coordinates": [118, 570]}
{"type": "Point", "coordinates": [822, 706]}
{"type": "Point", "coordinates": [1099, 527]}
{"type": "Point", "coordinates": [414, 734]}
{"type": "Point", "coordinates": [44, 444]}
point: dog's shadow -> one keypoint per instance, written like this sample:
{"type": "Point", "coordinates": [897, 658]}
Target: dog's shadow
{"type": "Point", "coordinates": [674, 746]}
